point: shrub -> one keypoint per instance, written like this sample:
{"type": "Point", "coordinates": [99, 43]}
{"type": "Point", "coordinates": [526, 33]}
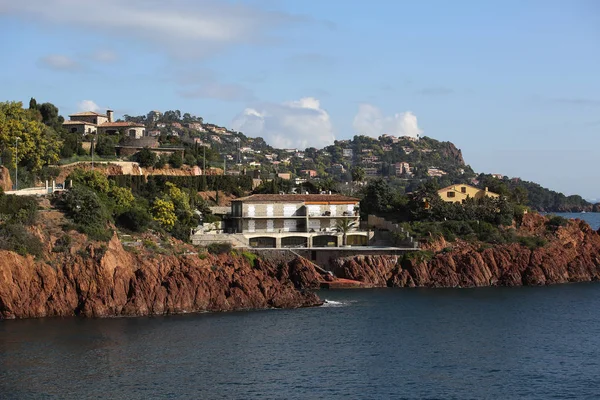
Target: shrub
{"type": "Point", "coordinates": [62, 244]}
{"type": "Point", "coordinates": [96, 232]}
{"type": "Point", "coordinates": [163, 211]}
{"type": "Point", "coordinates": [18, 209]}
{"type": "Point", "coordinates": [555, 222]}
{"type": "Point", "coordinates": [84, 207]}
{"type": "Point", "coordinates": [531, 242]}
{"type": "Point", "coordinates": [190, 160]}
{"type": "Point", "coordinates": [122, 197]}
{"type": "Point", "coordinates": [181, 232]}
{"type": "Point", "coordinates": [146, 158]}
{"type": "Point", "coordinates": [175, 160]}
{"type": "Point", "coordinates": [219, 248]}
{"type": "Point", "coordinates": [14, 237]}
{"type": "Point", "coordinates": [94, 180]}
{"type": "Point", "coordinates": [161, 161]}
{"type": "Point", "coordinates": [251, 257]}
{"type": "Point", "coordinates": [150, 244]}
{"type": "Point", "coordinates": [136, 219]}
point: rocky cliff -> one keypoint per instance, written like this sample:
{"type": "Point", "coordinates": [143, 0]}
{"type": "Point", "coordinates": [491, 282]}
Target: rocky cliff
{"type": "Point", "coordinates": [101, 281]}
{"type": "Point", "coordinates": [571, 255]}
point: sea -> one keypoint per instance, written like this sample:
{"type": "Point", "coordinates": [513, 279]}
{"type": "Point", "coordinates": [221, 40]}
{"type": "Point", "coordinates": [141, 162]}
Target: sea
{"type": "Point", "coordinates": [592, 218]}
{"type": "Point", "coordinates": [475, 343]}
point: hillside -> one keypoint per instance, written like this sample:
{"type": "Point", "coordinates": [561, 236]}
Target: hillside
{"type": "Point", "coordinates": [179, 140]}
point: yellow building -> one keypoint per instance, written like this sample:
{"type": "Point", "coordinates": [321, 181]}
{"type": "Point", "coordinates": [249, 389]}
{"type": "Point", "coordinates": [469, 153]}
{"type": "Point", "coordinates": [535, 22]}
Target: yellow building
{"type": "Point", "coordinates": [459, 193]}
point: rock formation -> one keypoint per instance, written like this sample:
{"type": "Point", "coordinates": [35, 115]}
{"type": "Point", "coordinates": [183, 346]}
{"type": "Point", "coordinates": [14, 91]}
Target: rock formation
{"type": "Point", "coordinates": [110, 281]}
{"type": "Point", "coordinates": [571, 255]}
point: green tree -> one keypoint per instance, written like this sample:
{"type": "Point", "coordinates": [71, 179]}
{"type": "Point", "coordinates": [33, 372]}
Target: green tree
{"type": "Point", "coordinates": [122, 197]}
{"type": "Point", "coordinates": [344, 226]}
{"type": "Point", "coordinates": [377, 198]}
{"type": "Point", "coordinates": [50, 116]}
{"type": "Point", "coordinates": [519, 195]}
{"type": "Point", "coordinates": [21, 132]}
{"type": "Point", "coordinates": [163, 211]}
{"type": "Point", "coordinates": [146, 158]}
{"type": "Point", "coordinates": [175, 160]}
{"type": "Point", "coordinates": [94, 180]}
{"type": "Point", "coordinates": [105, 146]}
{"type": "Point", "coordinates": [358, 174]}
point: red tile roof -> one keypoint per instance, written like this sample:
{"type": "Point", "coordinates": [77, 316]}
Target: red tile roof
{"type": "Point", "coordinates": [78, 123]}
{"type": "Point", "coordinates": [296, 198]}
{"type": "Point", "coordinates": [120, 125]}
{"type": "Point", "coordinates": [88, 114]}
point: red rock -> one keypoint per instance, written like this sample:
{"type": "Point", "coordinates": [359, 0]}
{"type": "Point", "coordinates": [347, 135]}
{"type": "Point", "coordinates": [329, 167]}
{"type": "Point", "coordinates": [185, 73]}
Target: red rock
{"type": "Point", "coordinates": [118, 283]}
{"type": "Point", "coordinates": [571, 255]}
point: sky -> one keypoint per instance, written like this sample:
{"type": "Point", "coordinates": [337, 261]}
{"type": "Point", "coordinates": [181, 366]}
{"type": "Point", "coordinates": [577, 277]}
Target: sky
{"type": "Point", "coordinates": [514, 84]}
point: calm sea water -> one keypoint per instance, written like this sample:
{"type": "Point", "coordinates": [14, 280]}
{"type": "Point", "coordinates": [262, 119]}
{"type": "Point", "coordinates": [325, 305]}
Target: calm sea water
{"type": "Point", "coordinates": [487, 343]}
{"type": "Point", "coordinates": [591, 218]}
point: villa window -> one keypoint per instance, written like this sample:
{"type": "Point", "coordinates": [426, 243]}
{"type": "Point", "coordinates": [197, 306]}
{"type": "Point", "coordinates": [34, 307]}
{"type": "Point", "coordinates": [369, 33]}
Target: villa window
{"type": "Point", "coordinates": [450, 194]}
{"type": "Point", "coordinates": [463, 189]}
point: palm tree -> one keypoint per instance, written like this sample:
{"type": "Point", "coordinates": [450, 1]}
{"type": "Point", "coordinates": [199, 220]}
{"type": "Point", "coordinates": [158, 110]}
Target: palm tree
{"type": "Point", "coordinates": [345, 225]}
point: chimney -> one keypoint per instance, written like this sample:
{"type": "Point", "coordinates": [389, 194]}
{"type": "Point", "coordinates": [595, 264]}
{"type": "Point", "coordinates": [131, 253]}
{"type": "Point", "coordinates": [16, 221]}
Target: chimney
{"type": "Point", "coordinates": [486, 189]}
{"type": "Point", "coordinates": [109, 114]}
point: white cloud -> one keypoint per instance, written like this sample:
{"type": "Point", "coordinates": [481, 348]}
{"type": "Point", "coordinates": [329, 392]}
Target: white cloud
{"type": "Point", "coordinates": [104, 56]}
{"type": "Point", "coordinates": [182, 27]}
{"type": "Point", "coordinates": [59, 62]}
{"type": "Point", "coordinates": [88, 105]}
{"type": "Point", "coordinates": [295, 124]}
{"type": "Point", "coordinates": [370, 121]}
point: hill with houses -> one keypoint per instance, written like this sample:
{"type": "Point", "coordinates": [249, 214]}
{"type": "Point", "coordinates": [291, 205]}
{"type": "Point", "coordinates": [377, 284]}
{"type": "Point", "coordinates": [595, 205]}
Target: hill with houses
{"type": "Point", "coordinates": [171, 138]}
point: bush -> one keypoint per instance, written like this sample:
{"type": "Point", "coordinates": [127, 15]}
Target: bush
{"type": "Point", "coordinates": [219, 248]}
{"type": "Point", "coordinates": [84, 207]}
{"type": "Point", "coordinates": [14, 237]}
{"type": "Point", "coordinates": [181, 232]}
{"type": "Point", "coordinates": [531, 242]}
{"type": "Point", "coordinates": [136, 219]}
{"type": "Point", "coordinates": [555, 222]}
{"type": "Point", "coordinates": [161, 161]}
{"type": "Point", "coordinates": [190, 160]}
{"type": "Point", "coordinates": [251, 257]}
{"type": "Point", "coordinates": [146, 158]}
{"type": "Point", "coordinates": [94, 180]}
{"type": "Point", "coordinates": [63, 244]}
{"type": "Point", "coordinates": [18, 209]}
{"type": "Point", "coordinates": [175, 160]}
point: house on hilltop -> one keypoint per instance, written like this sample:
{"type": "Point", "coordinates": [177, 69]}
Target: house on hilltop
{"type": "Point", "coordinates": [91, 123]}
{"type": "Point", "coordinates": [459, 193]}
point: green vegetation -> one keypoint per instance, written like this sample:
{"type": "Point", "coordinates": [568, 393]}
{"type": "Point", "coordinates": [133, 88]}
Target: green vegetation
{"type": "Point", "coordinates": [426, 217]}
{"type": "Point", "coordinates": [170, 205]}
{"type": "Point", "coordinates": [533, 195]}
{"type": "Point", "coordinates": [219, 248]}
{"type": "Point", "coordinates": [16, 215]}
{"type": "Point", "coordinates": [250, 257]}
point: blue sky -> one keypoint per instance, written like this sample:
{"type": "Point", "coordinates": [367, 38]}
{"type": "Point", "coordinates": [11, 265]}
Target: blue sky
{"type": "Point", "coordinates": [514, 84]}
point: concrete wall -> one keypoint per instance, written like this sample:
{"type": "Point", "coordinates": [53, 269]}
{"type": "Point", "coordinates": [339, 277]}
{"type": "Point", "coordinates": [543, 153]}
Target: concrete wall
{"type": "Point", "coordinates": [82, 129]}
{"type": "Point", "coordinates": [136, 132]}
{"type": "Point", "coordinates": [146, 141]}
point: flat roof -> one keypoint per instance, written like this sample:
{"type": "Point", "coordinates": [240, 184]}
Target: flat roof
{"type": "Point", "coordinates": [297, 198]}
